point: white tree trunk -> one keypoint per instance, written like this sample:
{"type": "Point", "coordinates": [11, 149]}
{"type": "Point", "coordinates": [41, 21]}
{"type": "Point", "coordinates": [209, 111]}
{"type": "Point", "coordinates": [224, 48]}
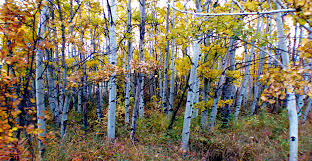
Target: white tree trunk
{"type": "Point", "coordinates": [65, 115]}
{"type": "Point", "coordinates": [141, 56]}
{"type": "Point", "coordinates": [160, 73]}
{"type": "Point", "coordinates": [52, 90]}
{"type": "Point", "coordinates": [166, 65]}
{"type": "Point", "coordinates": [300, 105]}
{"type": "Point", "coordinates": [243, 90]}
{"type": "Point", "coordinates": [80, 84]}
{"type": "Point", "coordinates": [204, 113]}
{"type": "Point", "coordinates": [98, 102]}
{"type": "Point", "coordinates": [172, 79]}
{"type": "Point", "coordinates": [141, 104]}
{"type": "Point", "coordinates": [291, 98]}
{"type": "Point", "coordinates": [40, 66]}
{"type": "Point", "coordinates": [140, 83]}
{"type": "Point", "coordinates": [192, 85]}
{"type": "Point", "coordinates": [129, 51]}
{"type": "Point", "coordinates": [206, 88]}
{"type": "Point", "coordinates": [112, 7]}
{"type": "Point", "coordinates": [159, 59]}
{"type": "Point", "coordinates": [79, 97]}
{"type": "Point", "coordinates": [228, 88]}
{"type": "Point", "coordinates": [64, 65]}
{"type": "Point", "coordinates": [258, 84]}
{"type": "Point", "coordinates": [196, 97]}
{"type": "Point", "coordinates": [190, 94]}
{"type": "Point", "coordinates": [217, 93]}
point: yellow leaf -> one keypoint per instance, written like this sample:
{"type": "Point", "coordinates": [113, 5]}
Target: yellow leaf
{"type": "Point", "coordinates": [32, 100]}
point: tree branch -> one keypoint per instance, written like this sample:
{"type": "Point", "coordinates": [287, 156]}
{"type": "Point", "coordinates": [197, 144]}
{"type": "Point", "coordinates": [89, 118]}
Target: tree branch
{"type": "Point", "coordinates": [233, 14]}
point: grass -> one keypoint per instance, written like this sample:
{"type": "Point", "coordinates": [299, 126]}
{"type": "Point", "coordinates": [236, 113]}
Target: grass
{"type": "Point", "coordinates": [259, 137]}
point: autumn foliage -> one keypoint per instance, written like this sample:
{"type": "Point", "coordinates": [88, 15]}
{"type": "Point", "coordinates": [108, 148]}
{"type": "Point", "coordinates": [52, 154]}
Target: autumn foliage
{"type": "Point", "coordinates": [77, 76]}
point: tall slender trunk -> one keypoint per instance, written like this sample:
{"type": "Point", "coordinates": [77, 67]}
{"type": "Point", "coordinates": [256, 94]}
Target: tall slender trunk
{"type": "Point", "coordinates": [65, 115]}
{"type": "Point", "coordinates": [80, 84]}
{"type": "Point", "coordinates": [141, 56]}
{"type": "Point", "coordinates": [291, 98]}
{"type": "Point", "coordinates": [157, 31]}
{"type": "Point", "coordinates": [300, 98]}
{"type": "Point", "coordinates": [141, 104]}
{"type": "Point", "coordinates": [190, 95]}
{"type": "Point", "coordinates": [172, 79]}
{"type": "Point", "coordinates": [207, 83]}
{"type": "Point", "coordinates": [196, 97]}
{"type": "Point", "coordinates": [140, 83]}
{"type": "Point", "coordinates": [112, 10]}
{"type": "Point", "coordinates": [39, 80]}
{"type": "Point", "coordinates": [64, 65]}
{"type": "Point", "coordinates": [257, 89]}
{"type": "Point", "coordinates": [98, 102]}
{"type": "Point", "coordinates": [206, 90]}
{"type": "Point", "coordinates": [74, 95]}
{"type": "Point", "coordinates": [52, 90]}
{"type": "Point", "coordinates": [217, 92]}
{"type": "Point", "coordinates": [228, 88]}
{"type": "Point", "coordinates": [129, 51]}
{"type": "Point", "coordinates": [192, 86]}
{"type": "Point", "coordinates": [248, 59]}
{"type": "Point", "coordinates": [166, 65]}
{"type": "Point", "coordinates": [58, 68]}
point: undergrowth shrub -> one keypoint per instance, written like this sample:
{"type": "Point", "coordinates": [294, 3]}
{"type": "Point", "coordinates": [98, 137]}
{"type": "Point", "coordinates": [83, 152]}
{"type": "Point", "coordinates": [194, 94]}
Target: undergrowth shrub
{"type": "Point", "coordinates": [259, 137]}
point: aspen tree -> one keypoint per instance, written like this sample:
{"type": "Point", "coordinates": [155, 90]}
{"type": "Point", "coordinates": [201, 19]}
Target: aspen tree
{"type": "Point", "coordinates": [218, 90]}
{"type": "Point", "coordinates": [257, 88]}
{"type": "Point", "coordinates": [192, 84]}
{"type": "Point", "coordinates": [196, 97]}
{"type": "Point", "coordinates": [228, 87]}
{"type": "Point", "coordinates": [52, 88]}
{"type": "Point", "coordinates": [129, 51]}
{"type": "Point", "coordinates": [72, 53]}
{"type": "Point", "coordinates": [291, 98]}
{"type": "Point", "coordinates": [141, 56]}
{"type": "Point", "coordinates": [243, 89]}
{"type": "Point", "coordinates": [112, 10]}
{"type": "Point", "coordinates": [204, 113]}
{"type": "Point", "coordinates": [207, 83]}
{"type": "Point", "coordinates": [300, 99]}
{"type": "Point", "coordinates": [166, 64]}
{"type": "Point", "coordinates": [66, 92]}
{"type": "Point", "coordinates": [172, 79]}
{"type": "Point", "coordinates": [58, 69]}
{"type": "Point", "coordinates": [159, 59]}
{"type": "Point", "coordinates": [40, 66]}
{"type": "Point", "coordinates": [139, 89]}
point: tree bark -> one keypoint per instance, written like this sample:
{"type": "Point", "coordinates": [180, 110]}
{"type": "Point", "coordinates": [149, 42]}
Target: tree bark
{"type": "Point", "coordinates": [248, 59]}
{"type": "Point", "coordinates": [40, 66]}
{"type": "Point", "coordinates": [172, 79]}
{"type": "Point", "coordinates": [139, 85]}
{"type": "Point", "coordinates": [112, 10]}
{"type": "Point", "coordinates": [257, 89]}
{"type": "Point", "coordinates": [166, 65]}
{"type": "Point", "coordinates": [291, 98]}
{"type": "Point", "coordinates": [129, 51]}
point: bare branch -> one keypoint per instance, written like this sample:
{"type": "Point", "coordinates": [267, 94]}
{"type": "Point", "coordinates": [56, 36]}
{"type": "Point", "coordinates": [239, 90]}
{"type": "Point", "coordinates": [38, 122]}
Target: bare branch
{"type": "Point", "coordinates": [233, 14]}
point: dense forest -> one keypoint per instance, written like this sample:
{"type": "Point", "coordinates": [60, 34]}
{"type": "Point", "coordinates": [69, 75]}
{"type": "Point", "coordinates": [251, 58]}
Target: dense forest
{"type": "Point", "coordinates": [155, 80]}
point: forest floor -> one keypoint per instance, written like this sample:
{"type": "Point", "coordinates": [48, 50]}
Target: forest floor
{"type": "Point", "coordinates": [259, 137]}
